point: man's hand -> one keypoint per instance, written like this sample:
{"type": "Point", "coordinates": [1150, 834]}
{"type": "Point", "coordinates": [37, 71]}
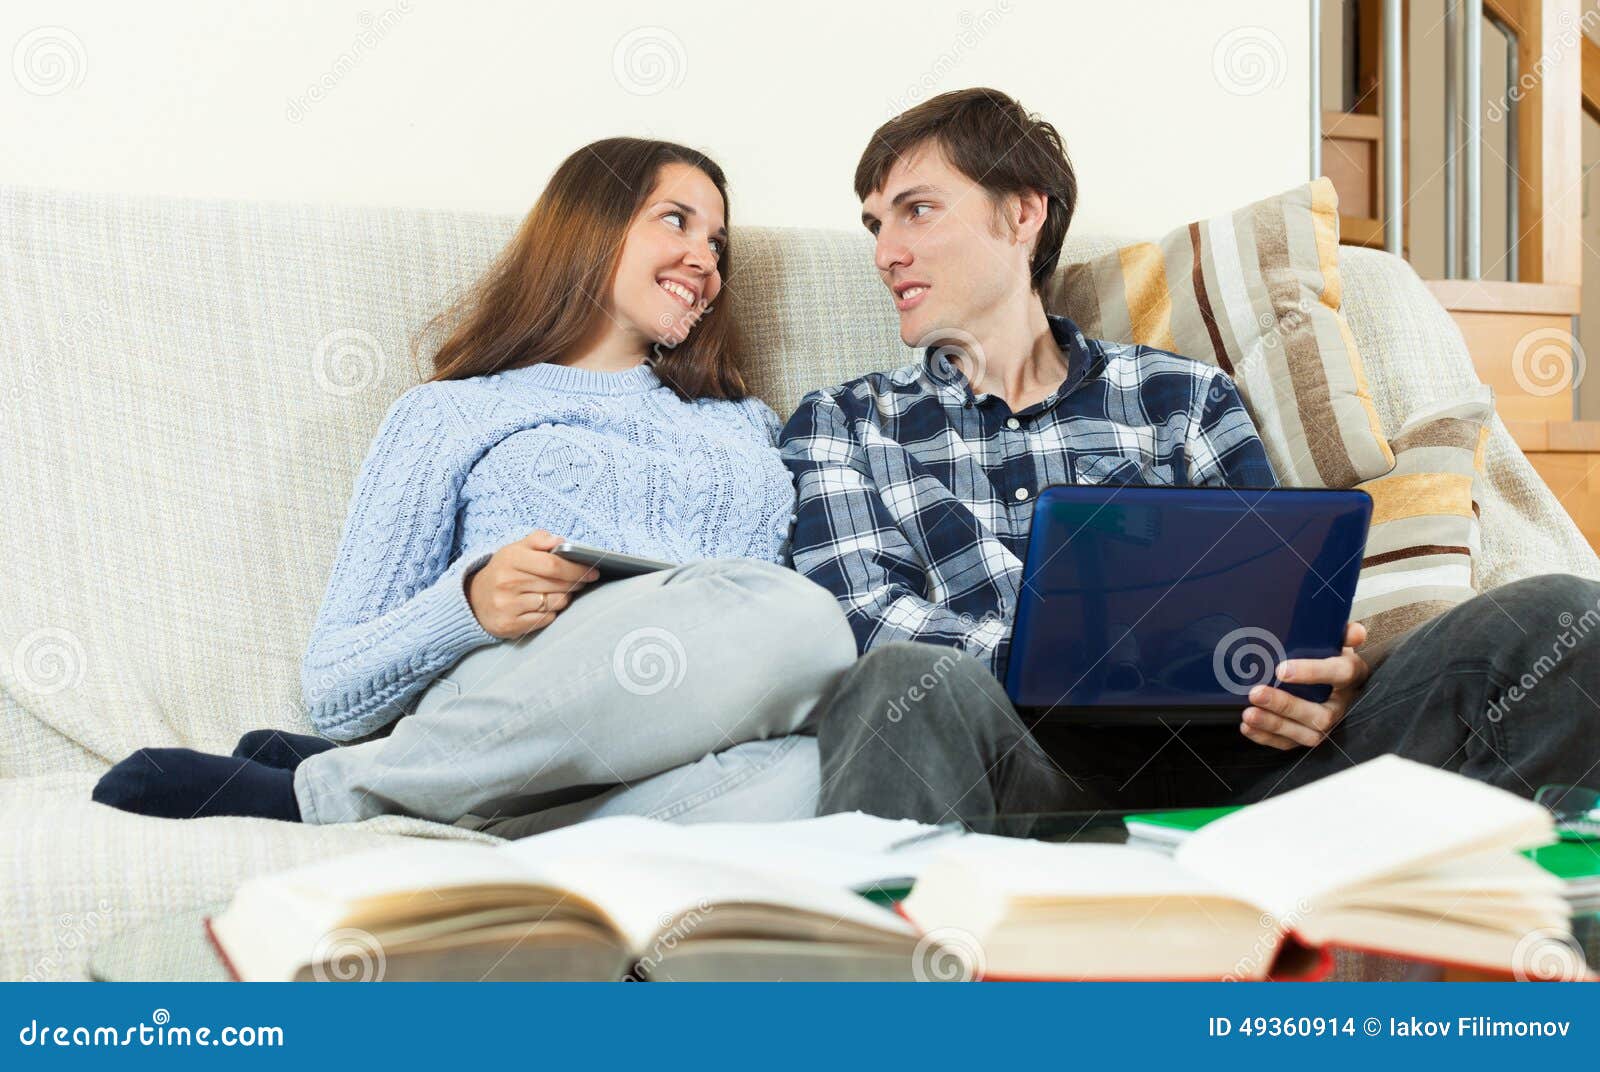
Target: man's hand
{"type": "Point", "coordinates": [1281, 720]}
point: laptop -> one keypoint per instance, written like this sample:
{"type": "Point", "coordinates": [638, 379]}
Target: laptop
{"type": "Point", "coordinates": [1143, 604]}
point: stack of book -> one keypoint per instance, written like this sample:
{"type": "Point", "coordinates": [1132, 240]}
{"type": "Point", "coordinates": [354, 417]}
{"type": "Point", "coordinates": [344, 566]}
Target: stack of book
{"type": "Point", "coordinates": [1575, 861]}
{"type": "Point", "coordinates": [610, 899]}
{"type": "Point", "coordinates": [1389, 856]}
{"type": "Point", "coordinates": [1577, 864]}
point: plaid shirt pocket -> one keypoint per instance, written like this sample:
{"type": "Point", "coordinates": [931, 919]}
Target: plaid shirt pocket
{"type": "Point", "coordinates": [1117, 469]}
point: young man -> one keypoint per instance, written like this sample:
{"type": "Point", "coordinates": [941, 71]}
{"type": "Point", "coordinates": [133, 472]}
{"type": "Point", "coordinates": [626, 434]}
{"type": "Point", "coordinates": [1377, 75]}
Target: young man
{"type": "Point", "coordinates": [916, 491]}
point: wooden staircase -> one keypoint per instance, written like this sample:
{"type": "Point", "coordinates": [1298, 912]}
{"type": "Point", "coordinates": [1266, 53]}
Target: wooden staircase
{"type": "Point", "coordinates": [1520, 332]}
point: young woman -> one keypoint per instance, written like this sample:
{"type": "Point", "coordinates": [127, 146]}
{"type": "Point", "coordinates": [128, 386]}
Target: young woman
{"type": "Point", "coordinates": [588, 389]}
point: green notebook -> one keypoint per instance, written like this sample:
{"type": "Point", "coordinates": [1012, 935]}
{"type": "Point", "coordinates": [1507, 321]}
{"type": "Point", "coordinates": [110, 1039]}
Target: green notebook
{"type": "Point", "coordinates": [1172, 827]}
{"type": "Point", "coordinates": [1571, 860]}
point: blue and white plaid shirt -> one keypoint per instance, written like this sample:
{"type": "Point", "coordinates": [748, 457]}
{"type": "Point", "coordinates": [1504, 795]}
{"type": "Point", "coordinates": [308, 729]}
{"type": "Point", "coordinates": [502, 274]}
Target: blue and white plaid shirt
{"type": "Point", "coordinates": [915, 496]}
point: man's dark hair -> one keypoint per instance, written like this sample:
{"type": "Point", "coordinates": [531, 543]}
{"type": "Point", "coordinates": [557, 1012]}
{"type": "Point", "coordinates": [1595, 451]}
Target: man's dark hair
{"type": "Point", "coordinates": [995, 142]}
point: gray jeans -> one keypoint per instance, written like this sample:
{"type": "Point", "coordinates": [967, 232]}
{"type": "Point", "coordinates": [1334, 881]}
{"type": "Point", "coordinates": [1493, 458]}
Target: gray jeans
{"type": "Point", "coordinates": [683, 694]}
{"type": "Point", "coordinates": [1504, 688]}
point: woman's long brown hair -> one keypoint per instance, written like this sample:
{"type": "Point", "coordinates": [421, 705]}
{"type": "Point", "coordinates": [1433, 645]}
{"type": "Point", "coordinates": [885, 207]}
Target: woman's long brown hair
{"type": "Point", "coordinates": [548, 292]}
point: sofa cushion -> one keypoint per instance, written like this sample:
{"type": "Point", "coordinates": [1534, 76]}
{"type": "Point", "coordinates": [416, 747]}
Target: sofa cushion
{"type": "Point", "coordinates": [1416, 358]}
{"type": "Point", "coordinates": [1424, 535]}
{"type": "Point", "coordinates": [1256, 292]}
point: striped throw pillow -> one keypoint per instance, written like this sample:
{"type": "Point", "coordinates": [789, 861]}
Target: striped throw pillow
{"type": "Point", "coordinates": [1257, 293]}
{"type": "Point", "coordinates": [1421, 549]}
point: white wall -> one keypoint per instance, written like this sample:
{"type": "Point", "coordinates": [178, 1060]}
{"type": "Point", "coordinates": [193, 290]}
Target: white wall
{"type": "Point", "coordinates": [1172, 109]}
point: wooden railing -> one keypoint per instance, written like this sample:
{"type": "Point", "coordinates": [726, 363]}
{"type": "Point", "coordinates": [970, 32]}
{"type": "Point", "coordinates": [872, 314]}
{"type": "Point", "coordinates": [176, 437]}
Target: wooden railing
{"type": "Point", "coordinates": [1520, 328]}
{"type": "Point", "coordinates": [1560, 74]}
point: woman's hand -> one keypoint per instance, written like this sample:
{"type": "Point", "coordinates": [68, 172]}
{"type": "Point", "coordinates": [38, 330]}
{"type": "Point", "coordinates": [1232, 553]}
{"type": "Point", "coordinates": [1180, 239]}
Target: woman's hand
{"type": "Point", "coordinates": [1284, 721]}
{"type": "Point", "coordinates": [523, 587]}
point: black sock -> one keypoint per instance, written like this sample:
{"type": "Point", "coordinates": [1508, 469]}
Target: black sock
{"type": "Point", "coordinates": [279, 748]}
{"type": "Point", "coordinates": [180, 783]}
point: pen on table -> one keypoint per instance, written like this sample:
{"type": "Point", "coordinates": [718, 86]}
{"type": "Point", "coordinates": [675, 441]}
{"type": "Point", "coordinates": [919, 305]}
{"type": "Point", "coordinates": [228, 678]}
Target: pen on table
{"type": "Point", "coordinates": [939, 831]}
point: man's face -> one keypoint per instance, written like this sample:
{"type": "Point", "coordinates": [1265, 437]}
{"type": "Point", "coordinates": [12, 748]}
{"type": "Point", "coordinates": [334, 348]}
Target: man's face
{"type": "Point", "coordinates": [942, 249]}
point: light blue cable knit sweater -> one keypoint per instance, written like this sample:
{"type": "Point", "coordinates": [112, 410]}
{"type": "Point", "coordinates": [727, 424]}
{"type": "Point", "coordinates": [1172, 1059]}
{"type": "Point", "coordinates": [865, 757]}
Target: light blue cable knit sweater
{"type": "Point", "coordinates": [460, 468]}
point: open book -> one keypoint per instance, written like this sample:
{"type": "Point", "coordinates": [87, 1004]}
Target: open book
{"type": "Point", "coordinates": [1390, 856]}
{"type": "Point", "coordinates": [613, 898]}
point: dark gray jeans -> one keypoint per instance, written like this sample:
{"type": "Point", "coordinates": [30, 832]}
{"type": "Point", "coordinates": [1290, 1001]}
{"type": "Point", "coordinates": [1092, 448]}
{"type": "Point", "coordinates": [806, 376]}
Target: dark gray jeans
{"type": "Point", "coordinates": [1504, 688]}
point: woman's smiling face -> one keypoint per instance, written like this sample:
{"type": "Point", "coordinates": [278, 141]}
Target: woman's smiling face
{"type": "Point", "coordinates": [670, 268]}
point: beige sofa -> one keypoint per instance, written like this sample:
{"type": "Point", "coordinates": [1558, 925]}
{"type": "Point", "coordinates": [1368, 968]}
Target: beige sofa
{"type": "Point", "coordinates": [186, 391]}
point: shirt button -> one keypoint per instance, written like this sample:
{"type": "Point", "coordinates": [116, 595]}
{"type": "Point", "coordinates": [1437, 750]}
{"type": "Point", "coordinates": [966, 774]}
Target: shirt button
{"type": "Point", "coordinates": [1013, 423]}
{"type": "Point", "coordinates": [1022, 494]}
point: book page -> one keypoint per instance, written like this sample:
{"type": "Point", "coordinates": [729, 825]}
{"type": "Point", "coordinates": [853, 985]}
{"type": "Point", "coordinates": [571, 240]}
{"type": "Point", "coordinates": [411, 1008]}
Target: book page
{"type": "Point", "coordinates": [1017, 868]}
{"type": "Point", "coordinates": [647, 895]}
{"type": "Point", "coordinates": [849, 850]}
{"type": "Point", "coordinates": [646, 874]}
{"type": "Point", "coordinates": [274, 921]}
{"type": "Point", "coordinates": [1507, 874]}
{"type": "Point", "coordinates": [1380, 818]}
